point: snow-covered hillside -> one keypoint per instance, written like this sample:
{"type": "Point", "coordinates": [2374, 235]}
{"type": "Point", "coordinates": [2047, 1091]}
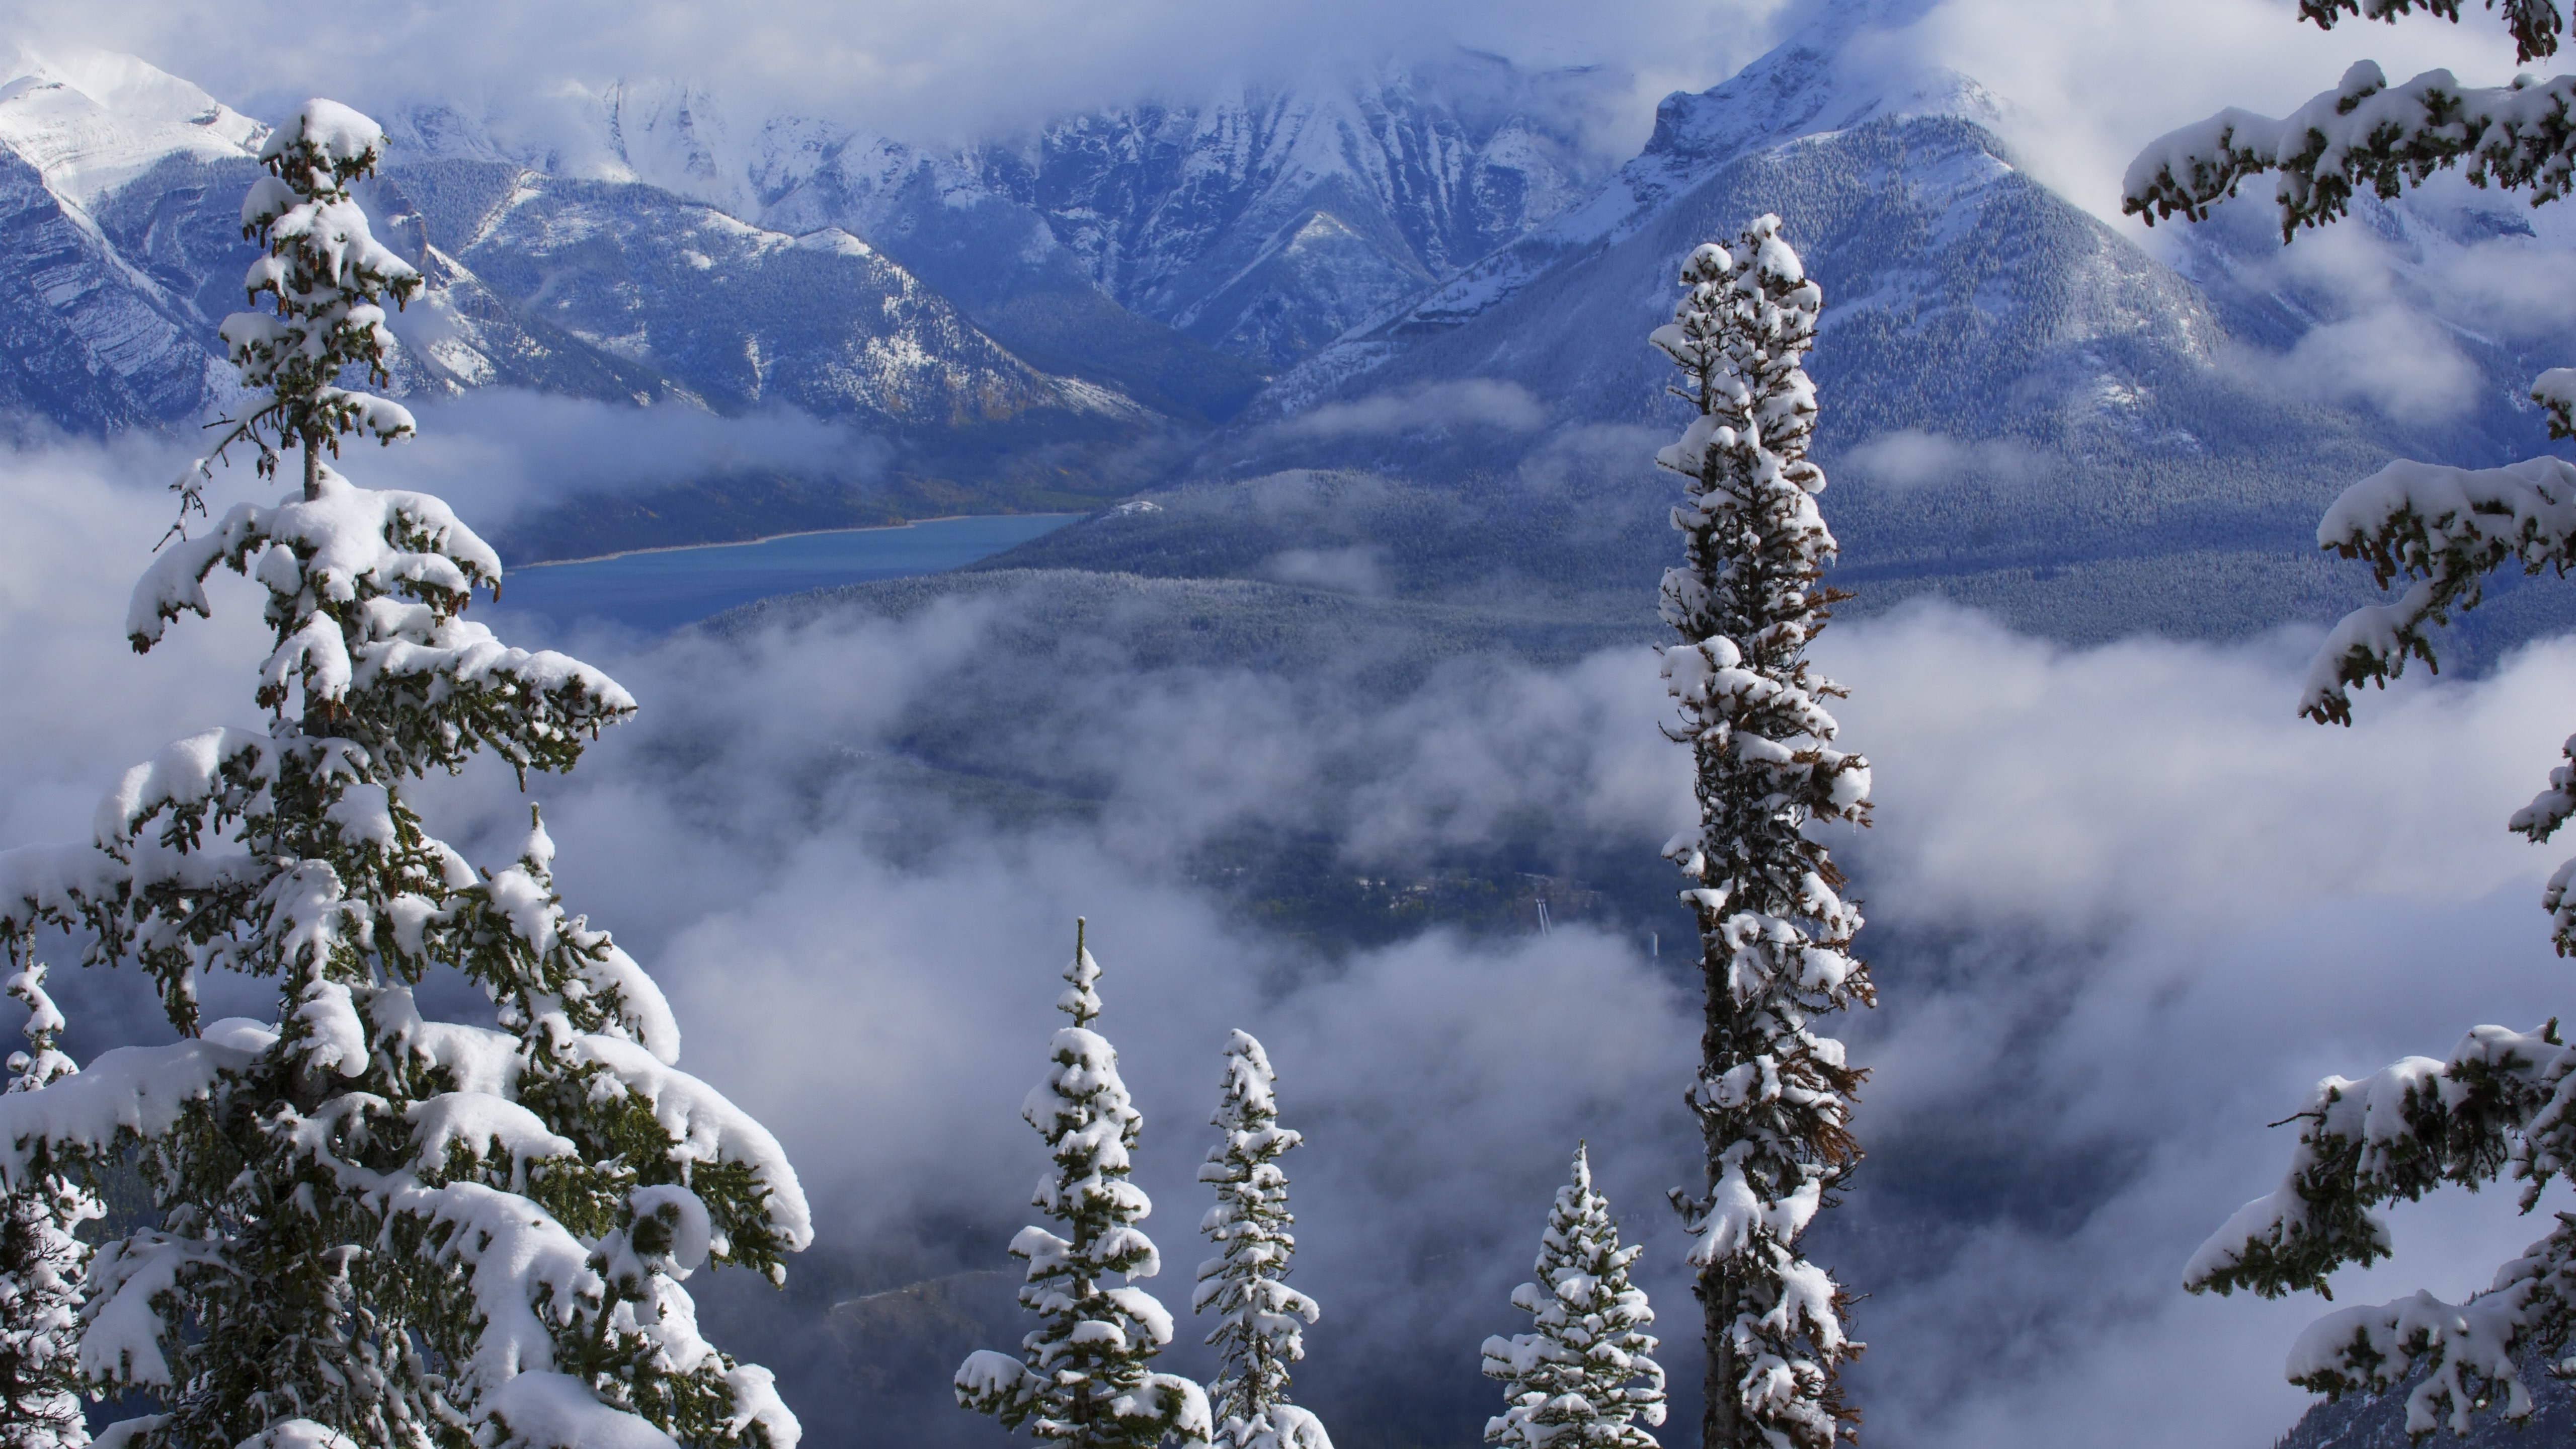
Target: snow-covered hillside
{"type": "Point", "coordinates": [92, 335]}
{"type": "Point", "coordinates": [2022, 407]}
{"type": "Point", "coordinates": [123, 185]}
{"type": "Point", "coordinates": [1257, 221]}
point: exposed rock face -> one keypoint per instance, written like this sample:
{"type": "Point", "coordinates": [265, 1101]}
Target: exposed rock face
{"type": "Point", "coordinates": [120, 187]}
{"type": "Point", "coordinates": [1258, 222]}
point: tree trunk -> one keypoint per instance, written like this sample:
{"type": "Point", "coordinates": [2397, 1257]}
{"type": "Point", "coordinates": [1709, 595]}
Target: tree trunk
{"type": "Point", "coordinates": [312, 466]}
{"type": "Point", "coordinates": [1717, 1288]}
{"type": "Point", "coordinates": [1721, 1420]}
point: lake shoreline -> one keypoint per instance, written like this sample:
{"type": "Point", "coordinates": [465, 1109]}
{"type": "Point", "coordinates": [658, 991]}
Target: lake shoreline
{"type": "Point", "coordinates": [775, 537]}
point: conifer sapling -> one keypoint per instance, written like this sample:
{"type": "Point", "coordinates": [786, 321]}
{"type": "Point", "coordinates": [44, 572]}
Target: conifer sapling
{"type": "Point", "coordinates": [1084, 1376]}
{"type": "Point", "coordinates": [1586, 1373]}
{"type": "Point", "coordinates": [1260, 1319]}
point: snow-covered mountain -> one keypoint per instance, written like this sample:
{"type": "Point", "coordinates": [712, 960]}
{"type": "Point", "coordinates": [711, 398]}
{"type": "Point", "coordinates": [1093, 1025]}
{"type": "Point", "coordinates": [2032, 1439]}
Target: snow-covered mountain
{"type": "Point", "coordinates": [1266, 224]}
{"type": "Point", "coordinates": [1260, 222]}
{"type": "Point", "coordinates": [122, 185]}
{"type": "Point", "coordinates": [2022, 407]}
{"type": "Point", "coordinates": [737, 315]}
{"type": "Point", "coordinates": [90, 335]}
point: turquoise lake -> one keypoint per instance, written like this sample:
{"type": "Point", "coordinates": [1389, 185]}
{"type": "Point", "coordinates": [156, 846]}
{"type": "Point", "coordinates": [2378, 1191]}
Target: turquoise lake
{"type": "Point", "coordinates": [666, 588]}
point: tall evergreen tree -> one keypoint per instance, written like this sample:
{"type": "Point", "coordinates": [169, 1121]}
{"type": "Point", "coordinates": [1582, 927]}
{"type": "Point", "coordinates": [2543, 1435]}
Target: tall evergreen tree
{"type": "Point", "coordinates": [1085, 1376]}
{"type": "Point", "coordinates": [1585, 1376]}
{"type": "Point", "coordinates": [1773, 1097]}
{"type": "Point", "coordinates": [42, 1257]}
{"type": "Point", "coordinates": [374, 1228]}
{"type": "Point", "coordinates": [1260, 1319]}
{"type": "Point", "coordinates": [2498, 1106]}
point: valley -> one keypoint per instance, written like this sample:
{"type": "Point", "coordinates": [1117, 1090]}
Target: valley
{"type": "Point", "coordinates": [1238, 507]}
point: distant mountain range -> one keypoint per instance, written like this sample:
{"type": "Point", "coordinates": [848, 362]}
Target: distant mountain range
{"type": "Point", "coordinates": [1421, 274]}
{"type": "Point", "coordinates": [1010, 316]}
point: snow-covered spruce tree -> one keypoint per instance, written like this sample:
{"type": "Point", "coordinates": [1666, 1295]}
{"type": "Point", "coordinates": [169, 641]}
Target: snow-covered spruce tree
{"type": "Point", "coordinates": [2501, 1105]}
{"type": "Point", "coordinates": [1773, 1097]}
{"type": "Point", "coordinates": [1583, 1378]}
{"type": "Point", "coordinates": [41, 1257]}
{"type": "Point", "coordinates": [1260, 1319]}
{"type": "Point", "coordinates": [377, 1230]}
{"type": "Point", "coordinates": [1085, 1376]}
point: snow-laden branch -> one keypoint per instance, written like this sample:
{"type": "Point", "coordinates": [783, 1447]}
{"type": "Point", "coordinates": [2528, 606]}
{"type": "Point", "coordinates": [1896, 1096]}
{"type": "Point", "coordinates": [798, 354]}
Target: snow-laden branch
{"type": "Point", "coordinates": [366, 592]}
{"type": "Point", "coordinates": [2439, 532]}
{"type": "Point", "coordinates": [2534, 23]}
{"type": "Point", "coordinates": [2503, 1105]}
{"type": "Point", "coordinates": [2364, 135]}
{"type": "Point", "coordinates": [2442, 530]}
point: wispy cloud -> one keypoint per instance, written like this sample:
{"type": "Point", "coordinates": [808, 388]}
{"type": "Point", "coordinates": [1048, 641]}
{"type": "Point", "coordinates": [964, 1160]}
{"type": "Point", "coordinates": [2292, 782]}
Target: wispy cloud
{"type": "Point", "coordinates": [1431, 408]}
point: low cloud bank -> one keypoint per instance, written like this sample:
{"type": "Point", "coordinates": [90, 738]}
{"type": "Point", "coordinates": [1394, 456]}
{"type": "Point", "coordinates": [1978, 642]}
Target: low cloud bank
{"type": "Point", "coordinates": [2125, 908]}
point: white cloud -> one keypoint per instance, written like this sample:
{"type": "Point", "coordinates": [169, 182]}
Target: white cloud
{"type": "Point", "coordinates": [2401, 362]}
{"type": "Point", "coordinates": [498, 454]}
{"type": "Point", "coordinates": [920, 69]}
{"type": "Point", "coordinates": [1359, 569]}
{"type": "Point", "coordinates": [2090, 82]}
{"type": "Point", "coordinates": [1910, 458]}
{"type": "Point", "coordinates": [1475, 403]}
{"type": "Point", "coordinates": [2170, 905]}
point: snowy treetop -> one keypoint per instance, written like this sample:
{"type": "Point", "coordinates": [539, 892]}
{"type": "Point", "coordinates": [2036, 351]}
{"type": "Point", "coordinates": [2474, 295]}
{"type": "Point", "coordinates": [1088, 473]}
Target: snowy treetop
{"type": "Point", "coordinates": [1260, 1319]}
{"type": "Point", "coordinates": [347, 143]}
{"type": "Point", "coordinates": [366, 589]}
{"type": "Point", "coordinates": [1585, 1373]}
{"type": "Point", "coordinates": [326, 277]}
{"type": "Point", "coordinates": [1081, 999]}
{"type": "Point", "coordinates": [1084, 1377]}
{"type": "Point", "coordinates": [1248, 1101]}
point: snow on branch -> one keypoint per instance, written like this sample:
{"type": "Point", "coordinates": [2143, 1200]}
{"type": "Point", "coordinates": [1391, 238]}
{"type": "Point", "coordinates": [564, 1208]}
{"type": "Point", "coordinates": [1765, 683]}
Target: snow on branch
{"type": "Point", "coordinates": [706, 1128]}
{"type": "Point", "coordinates": [2444, 529]}
{"type": "Point", "coordinates": [366, 592]}
{"type": "Point", "coordinates": [2503, 1105]}
{"type": "Point", "coordinates": [2534, 23]}
{"type": "Point", "coordinates": [2441, 531]}
{"type": "Point", "coordinates": [127, 1094]}
{"type": "Point", "coordinates": [2364, 135]}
